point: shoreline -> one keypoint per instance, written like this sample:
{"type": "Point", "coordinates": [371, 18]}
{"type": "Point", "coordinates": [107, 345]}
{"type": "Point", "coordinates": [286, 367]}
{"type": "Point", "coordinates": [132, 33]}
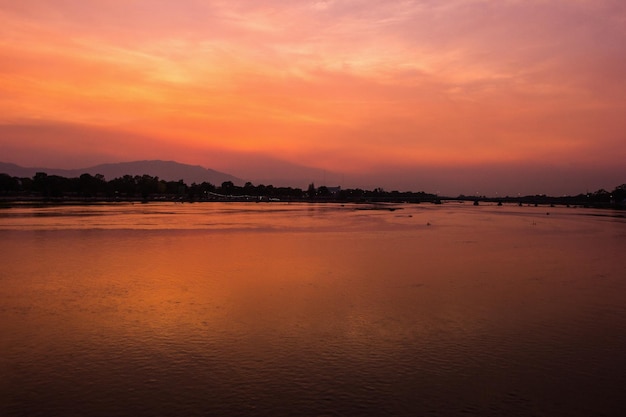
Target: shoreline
{"type": "Point", "coordinates": [540, 201]}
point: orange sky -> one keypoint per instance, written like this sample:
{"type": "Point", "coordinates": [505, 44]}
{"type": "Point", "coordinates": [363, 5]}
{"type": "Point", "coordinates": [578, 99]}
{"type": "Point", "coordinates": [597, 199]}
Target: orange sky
{"type": "Point", "coordinates": [363, 89]}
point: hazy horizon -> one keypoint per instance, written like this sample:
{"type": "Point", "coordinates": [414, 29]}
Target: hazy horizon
{"type": "Point", "coordinates": [306, 175]}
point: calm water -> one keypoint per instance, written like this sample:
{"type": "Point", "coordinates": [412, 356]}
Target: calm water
{"type": "Point", "coordinates": [299, 309]}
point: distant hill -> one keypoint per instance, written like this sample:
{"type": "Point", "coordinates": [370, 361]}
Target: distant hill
{"type": "Point", "coordinates": [17, 171]}
{"type": "Point", "coordinates": [165, 170]}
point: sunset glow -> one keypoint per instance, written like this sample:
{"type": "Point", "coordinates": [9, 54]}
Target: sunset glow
{"type": "Point", "coordinates": [371, 91]}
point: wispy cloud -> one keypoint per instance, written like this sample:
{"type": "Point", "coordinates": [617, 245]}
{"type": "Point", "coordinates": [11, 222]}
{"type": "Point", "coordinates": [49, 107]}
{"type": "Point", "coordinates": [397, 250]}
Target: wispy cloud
{"type": "Point", "coordinates": [407, 81]}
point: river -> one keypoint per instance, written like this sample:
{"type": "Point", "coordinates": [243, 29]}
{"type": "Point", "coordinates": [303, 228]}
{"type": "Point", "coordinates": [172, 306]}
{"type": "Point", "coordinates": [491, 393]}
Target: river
{"type": "Point", "coordinates": [245, 309]}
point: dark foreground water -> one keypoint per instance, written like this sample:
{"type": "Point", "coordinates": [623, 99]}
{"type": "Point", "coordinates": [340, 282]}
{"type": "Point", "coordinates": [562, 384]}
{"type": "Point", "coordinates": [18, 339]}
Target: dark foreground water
{"type": "Point", "coordinates": [312, 310]}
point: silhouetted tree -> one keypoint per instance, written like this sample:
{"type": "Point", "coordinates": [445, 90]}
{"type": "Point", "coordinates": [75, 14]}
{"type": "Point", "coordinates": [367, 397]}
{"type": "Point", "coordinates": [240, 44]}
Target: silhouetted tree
{"type": "Point", "coordinates": [8, 184]}
{"type": "Point", "coordinates": [323, 191]}
{"type": "Point", "coordinates": [89, 185]}
{"type": "Point", "coordinates": [227, 187]}
{"type": "Point", "coordinates": [51, 185]}
{"type": "Point", "coordinates": [619, 196]}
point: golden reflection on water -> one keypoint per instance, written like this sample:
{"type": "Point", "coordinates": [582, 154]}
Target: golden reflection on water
{"type": "Point", "coordinates": [355, 306]}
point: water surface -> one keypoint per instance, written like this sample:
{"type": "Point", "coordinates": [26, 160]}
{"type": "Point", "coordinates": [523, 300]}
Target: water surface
{"type": "Point", "coordinates": [305, 309]}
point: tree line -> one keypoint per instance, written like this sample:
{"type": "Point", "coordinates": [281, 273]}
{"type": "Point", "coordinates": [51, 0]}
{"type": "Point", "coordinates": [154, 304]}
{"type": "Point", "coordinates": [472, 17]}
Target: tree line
{"type": "Point", "coordinates": [147, 188]}
{"type": "Point", "coordinates": [600, 199]}
{"type": "Point", "coordinates": [130, 187]}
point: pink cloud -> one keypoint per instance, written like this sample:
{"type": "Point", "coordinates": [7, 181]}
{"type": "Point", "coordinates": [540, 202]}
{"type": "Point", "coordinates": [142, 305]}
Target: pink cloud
{"type": "Point", "coordinates": [355, 83]}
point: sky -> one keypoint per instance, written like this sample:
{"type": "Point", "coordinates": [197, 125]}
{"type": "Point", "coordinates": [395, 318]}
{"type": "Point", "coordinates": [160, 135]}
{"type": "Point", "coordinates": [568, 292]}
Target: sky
{"type": "Point", "coordinates": [457, 96]}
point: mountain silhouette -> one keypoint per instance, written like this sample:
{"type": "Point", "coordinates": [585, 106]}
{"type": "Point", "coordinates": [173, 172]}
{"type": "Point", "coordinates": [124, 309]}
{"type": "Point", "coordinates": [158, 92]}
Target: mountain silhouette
{"type": "Point", "coordinates": [165, 170]}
